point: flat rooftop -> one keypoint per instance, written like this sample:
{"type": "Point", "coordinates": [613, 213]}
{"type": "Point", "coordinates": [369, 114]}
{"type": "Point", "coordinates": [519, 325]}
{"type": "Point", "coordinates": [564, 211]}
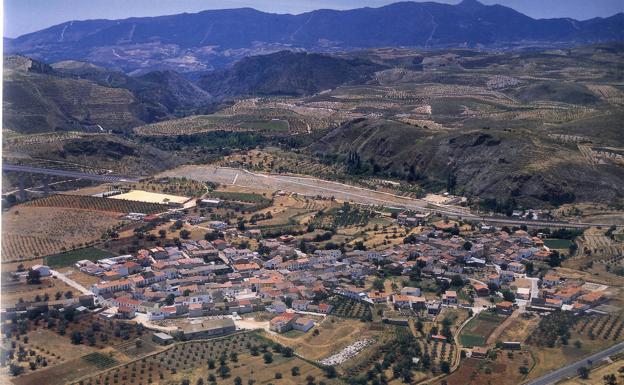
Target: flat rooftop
{"type": "Point", "coordinates": [151, 197]}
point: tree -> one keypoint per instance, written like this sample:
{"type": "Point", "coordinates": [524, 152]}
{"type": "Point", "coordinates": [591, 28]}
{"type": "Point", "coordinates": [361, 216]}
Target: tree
{"type": "Point", "coordinates": [68, 294]}
{"type": "Point", "coordinates": [330, 372]}
{"type": "Point", "coordinates": [238, 381]}
{"type": "Point", "coordinates": [467, 245]}
{"type": "Point", "coordinates": [34, 277]}
{"type": "Point", "coordinates": [378, 284]}
{"type": "Point", "coordinates": [268, 357]}
{"type": "Point", "coordinates": [508, 295]}
{"type": "Point", "coordinates": [278, 375]}
{"type": "Point", "coordinates": [609, 379]}
{"type": "Point", "coordinates": [523, 370]}
{"type": "Point", "coordinates": [294, 371]}
{"type": "Point", "coordinates": [445, 367]}
{"type": "Point", "coordinates": [310, 379]}
{"type": "Point", "coordinates": [554, 259]}
{"type": "Point", "coordinates": [457, 281]}
{"type": "Point", "coordinates": [224, 371]}
{"type": "Point", "coordinates": [185, 234]}
{"type": "Point", "coordinates": [287, 352]}
{"type": "Point", "coordinates": [170, 299]}
{"type": "Point", "coordinates": [76, 338]}
{"type": "Point", "coordinates": [583, 372]}
{"type": "Point", "coordinates": [15, 370]}
{"type": "Point", "coordinates": [162, 233]}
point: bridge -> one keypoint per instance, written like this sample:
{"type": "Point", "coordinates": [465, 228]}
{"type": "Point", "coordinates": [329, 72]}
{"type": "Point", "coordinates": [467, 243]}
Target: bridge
{"type": "Point", "coordinates": [104, 178]}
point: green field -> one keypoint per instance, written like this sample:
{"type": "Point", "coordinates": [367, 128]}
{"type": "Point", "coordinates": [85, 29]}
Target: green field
{"type": "Point", "coordinates": [476, 332]}
{"type": "Point", "coordinates": [472, 340]}
{"type": "Point", "coordinates": [267, 125]}
{"type": "Point", "coordinates": [239, 197]}
{"type": "Point", "coordinates": [558, 243]}
{"type": "Point", "coordinates": [71, 257]}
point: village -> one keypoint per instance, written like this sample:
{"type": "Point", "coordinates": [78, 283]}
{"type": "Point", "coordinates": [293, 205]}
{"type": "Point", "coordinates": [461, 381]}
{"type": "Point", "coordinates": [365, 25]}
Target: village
{"type": "Point", "coordinates": [454, 286]}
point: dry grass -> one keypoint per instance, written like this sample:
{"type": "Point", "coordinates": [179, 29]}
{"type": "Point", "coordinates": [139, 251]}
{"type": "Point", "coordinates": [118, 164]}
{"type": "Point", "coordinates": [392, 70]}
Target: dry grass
{"type": "Point", "coordinates": [502, 371]}
{"type": "Point", "coordinates": [11, 293]}
{"type": "Point", "coordinates": [335, 334]}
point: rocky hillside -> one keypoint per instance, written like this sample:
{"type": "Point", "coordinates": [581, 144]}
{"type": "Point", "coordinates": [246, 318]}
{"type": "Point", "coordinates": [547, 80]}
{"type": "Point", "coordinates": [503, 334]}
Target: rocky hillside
{"type": "Point", "coordinates": [481, 163]}
{"type": "Point", "coordinates": [80, 96]}
{"type": "Point", "coordinates": [36, 99]}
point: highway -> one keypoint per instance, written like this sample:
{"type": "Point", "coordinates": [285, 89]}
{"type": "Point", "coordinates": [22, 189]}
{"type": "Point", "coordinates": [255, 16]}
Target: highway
{"type": "Point", "coordinates": [571, 370]}
{"type": "Point", "coordinates": [309, 186]}
{"type": "Point", "coordinates": [107, 178]}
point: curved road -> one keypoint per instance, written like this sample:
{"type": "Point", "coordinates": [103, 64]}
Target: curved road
{"type": "Point", "coordinates": [571, 370]}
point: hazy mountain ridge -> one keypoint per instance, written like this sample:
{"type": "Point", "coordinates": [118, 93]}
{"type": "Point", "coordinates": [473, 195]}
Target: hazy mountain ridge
{"type": "Point", "coordinates": [204, 40]}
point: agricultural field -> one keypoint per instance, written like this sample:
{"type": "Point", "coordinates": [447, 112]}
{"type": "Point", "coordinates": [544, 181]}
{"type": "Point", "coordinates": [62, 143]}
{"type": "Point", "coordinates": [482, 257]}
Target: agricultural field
{"type": "Point", "coordinates": [16, 247]}
{"type": "Point", "coordinates": [269, 120]}
{"type": "Point", "coordinates": [240, 197]}
{"type": "Point", "coordinates": [245, 355]}
{"type": "Point", "coordinates": [69, 258]}
{"type": "Point", "coordinates": [349, 308]}
{"type": "Point", "coordinates": [504, 369]}
{"type": "Point", "coordinates": [476, 332]}
{"type": "Point", "coordinates": [519, 329]}
{"type": "Point", "coordinates": [82, 202]}
{"type": "Point", "coordinates": [347, 215]}
{"type": "Point", "coordinates": [32, 232]}
{"type": "Point", "coordinates": [597, 374]}
{"type": "Point", "coordinates": [560, 244]}
{"type": "Point", "coordinates": [581, 337]}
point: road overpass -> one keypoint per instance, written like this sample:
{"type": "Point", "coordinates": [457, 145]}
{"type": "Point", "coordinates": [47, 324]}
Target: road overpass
{"type": "Point", "coordinates": [47, 172]}
{"type": "Point", "coordinates": [70, 174]}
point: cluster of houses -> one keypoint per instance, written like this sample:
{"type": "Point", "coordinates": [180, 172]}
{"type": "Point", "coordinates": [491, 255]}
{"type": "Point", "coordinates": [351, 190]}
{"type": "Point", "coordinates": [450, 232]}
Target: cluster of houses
{"type": "Point", "coordinates": [215, 278]}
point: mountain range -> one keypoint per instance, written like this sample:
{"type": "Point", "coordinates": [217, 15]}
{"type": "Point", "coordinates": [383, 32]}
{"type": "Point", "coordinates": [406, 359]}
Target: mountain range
{"type": "Point", "coordinates": [212, 39]}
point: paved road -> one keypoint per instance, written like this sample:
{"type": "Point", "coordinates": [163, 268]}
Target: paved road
{"type": "Point", "coordinates": [69, 174]}
{"type": "Point", "coordinates": [571, 370]}
{"type": "Point", "coordinates": [309, 186]}
{"type": "Point", "coordinates": [71, 282]}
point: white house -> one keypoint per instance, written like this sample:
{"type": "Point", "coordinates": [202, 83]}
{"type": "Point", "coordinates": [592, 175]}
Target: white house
{"type": "Point", "coordinates": [43, 270]}
{"type": "Point", "coordinates": [303, 324]}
